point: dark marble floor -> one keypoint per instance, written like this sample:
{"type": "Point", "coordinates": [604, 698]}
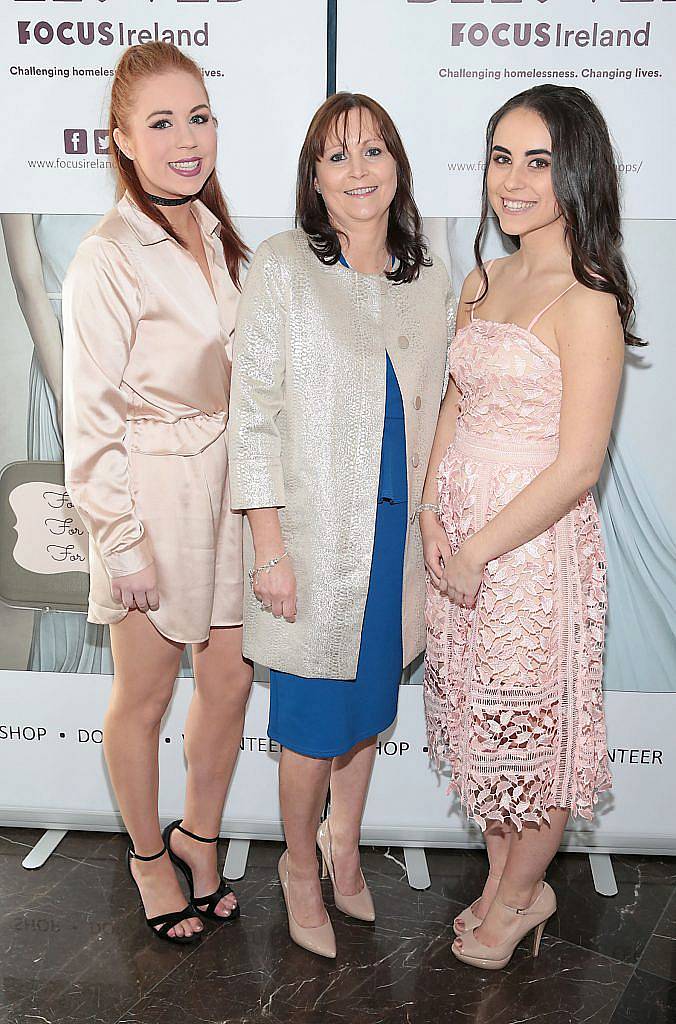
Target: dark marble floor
{"type": "Point", "coordinates": [75, 950]}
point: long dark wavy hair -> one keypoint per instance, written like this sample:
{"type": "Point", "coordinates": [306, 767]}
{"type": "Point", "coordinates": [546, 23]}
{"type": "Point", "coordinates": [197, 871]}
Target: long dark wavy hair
{"type": "Point", "coordinates": [405, 239]}
{"type": "Point", "coordinates": [136, 63]}
{"type": "Point", "coordinates": [585, 179]}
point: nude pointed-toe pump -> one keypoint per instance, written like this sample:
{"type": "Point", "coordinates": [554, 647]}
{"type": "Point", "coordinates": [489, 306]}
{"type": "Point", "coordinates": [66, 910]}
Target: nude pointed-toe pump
{"type": "Point", "coordinates": [531, 919]}
{"type": "Point", "coordinates": [360, 904]}
{"type": "Point", "coordinates": [319, 939]}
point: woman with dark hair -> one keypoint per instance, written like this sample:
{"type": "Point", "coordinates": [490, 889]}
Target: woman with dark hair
{"type": "Point", "coordinates": [516, 594]}
{"type": "Point", "coordinates": [149, 309]}
{"type": "Point", "coordinates": [338, 371]}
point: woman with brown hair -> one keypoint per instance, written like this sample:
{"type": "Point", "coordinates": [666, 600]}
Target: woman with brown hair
{"type": "Point", "coordinates": [338, 373]}
{"type": "Point", "coordinates": [516, 597]}
{"type": "Point", "coordinates": [149, 309]}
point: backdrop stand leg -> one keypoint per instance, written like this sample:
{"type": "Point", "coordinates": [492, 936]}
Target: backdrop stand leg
{"type": "Point", "coordinates": [236, 858]}
{"type": "Point", "coordinates": [44, 848]}
{"type": "Point", "coordinates": [416, 867]}
{"type": "Point", "coordinates": [603, 874]}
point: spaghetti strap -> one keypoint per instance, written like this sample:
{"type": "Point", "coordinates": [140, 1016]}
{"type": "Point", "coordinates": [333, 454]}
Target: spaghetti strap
{"type": "Point", "coordinates": [549, 305]}
{"type": "Point", "coordinates": [488, 267]}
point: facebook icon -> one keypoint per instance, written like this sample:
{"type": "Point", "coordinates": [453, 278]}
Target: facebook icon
{"type": "Point", "coordinates": [75, 140]}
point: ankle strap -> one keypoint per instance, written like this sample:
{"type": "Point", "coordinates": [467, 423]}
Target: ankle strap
{"type": "Point", "coordinates": [154, 856]}
{"type": "Point", "coordinates": [513, 910]}
{"type": "Point", "coordinates": [530, 909]}
{"type": "Point", "coordinates": [192, 835]}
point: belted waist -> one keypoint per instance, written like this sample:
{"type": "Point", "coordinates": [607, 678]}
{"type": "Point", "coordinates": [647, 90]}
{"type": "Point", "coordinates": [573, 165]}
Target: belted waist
{"type": "Point", "coordinates": [187, 435]}
{"type": "Point", "coordinates": [511, 451]}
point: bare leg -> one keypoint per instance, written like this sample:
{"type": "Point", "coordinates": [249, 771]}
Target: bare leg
{"type": "Point", "coordinates": [530, 853]}
{"type": "Point", "coordinates": [498, 839]}
{"type": "Point", "coordinates": [350, 776]}
{"type": "Point", "coordinates": [303, 784]}
{"type": "Point", "coordinates": [212, 737]}
{"type": "Point", "coordinates": [146, 664]}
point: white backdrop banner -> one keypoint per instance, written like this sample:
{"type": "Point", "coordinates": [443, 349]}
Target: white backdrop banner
{"type": "Point", "coordinates": [441, 67]}
{"type": "Point", "coordinates": [265, 67]}
{"type": "Point", "coordinates": [53, 773]}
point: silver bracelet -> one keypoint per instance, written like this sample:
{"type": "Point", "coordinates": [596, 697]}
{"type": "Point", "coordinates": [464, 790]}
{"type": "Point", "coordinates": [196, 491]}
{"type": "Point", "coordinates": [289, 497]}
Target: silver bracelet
{"type": "Point", "coordinates": [426, 507]}
{"type": "Point", "coordinates": [253, 573]}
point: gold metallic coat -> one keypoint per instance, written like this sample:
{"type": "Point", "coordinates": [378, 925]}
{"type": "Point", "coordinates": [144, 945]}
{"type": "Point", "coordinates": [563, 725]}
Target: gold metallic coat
{"type": "Point", "coordinates": [307, 409]}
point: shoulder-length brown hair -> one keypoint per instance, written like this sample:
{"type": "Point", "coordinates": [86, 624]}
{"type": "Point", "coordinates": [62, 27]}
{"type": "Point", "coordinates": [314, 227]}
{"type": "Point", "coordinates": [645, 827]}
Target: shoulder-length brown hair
{"type": "Point", "coordinates": [135, 64]}
{"type": "Point", "coordinates": [405, 240]}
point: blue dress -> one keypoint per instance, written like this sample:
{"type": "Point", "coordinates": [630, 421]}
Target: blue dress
{"type": "Point", "coordinates": [327, 717]}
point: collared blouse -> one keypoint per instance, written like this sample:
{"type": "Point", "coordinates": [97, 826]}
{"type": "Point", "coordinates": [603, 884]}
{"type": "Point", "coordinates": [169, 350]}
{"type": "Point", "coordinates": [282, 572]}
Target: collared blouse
{"type": "Point", "coordinates": [147, 364]}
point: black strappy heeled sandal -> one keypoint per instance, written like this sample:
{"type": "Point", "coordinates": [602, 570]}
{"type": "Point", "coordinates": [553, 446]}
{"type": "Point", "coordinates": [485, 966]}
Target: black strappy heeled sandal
{"type": "Point", "coordinates": [205, 905]}
{"type": "Point", "coordinates": [163, 923]}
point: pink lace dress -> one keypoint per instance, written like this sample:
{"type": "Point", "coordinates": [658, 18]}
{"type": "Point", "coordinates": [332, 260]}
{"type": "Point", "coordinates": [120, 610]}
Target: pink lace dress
{"type": "Point", "coordinates": [513, 694]}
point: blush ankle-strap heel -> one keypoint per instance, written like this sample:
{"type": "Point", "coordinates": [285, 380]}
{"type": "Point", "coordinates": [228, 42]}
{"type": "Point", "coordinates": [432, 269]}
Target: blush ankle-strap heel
{"type": "Point", "coordinates": [530, 919]}
{"type": "Point", "coordinates": [468, 919]}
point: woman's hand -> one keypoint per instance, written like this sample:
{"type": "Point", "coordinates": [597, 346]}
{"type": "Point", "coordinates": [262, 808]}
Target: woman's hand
{"type": "Point", "coordinates": [138, 590]}
{"type": "Point", "coordinates": [436, 549]}
{"type": "Point", "coordinates": [276, 590]}
{"type": "Point", "coordinates": [462, 576]}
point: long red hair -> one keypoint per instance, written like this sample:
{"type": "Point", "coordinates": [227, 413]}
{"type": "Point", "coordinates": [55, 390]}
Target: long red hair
{"type": "Point", "coordinates": [136, 63]}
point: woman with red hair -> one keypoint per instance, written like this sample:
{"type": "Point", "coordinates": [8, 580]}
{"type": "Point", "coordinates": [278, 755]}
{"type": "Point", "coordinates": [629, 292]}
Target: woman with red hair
{"type": "Point", "coordinates": [149, 310]}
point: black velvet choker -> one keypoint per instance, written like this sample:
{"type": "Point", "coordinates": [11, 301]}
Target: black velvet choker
{"type": "Point", "coordinates": [161, 201]}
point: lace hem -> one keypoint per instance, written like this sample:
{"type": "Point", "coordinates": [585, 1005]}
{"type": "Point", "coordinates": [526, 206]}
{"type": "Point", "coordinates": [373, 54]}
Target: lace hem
{"type": "Point", "coordinates": [484, 801]}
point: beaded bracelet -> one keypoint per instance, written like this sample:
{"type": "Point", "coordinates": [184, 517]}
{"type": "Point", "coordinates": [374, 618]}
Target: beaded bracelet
{"type": "Point", "coordinates": [426, 507]}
